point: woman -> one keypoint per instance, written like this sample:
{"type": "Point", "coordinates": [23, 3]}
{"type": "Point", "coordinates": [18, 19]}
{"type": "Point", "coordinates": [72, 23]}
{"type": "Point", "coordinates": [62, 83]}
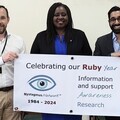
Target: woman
{"type": "Point", "coordinates": [60, 38]}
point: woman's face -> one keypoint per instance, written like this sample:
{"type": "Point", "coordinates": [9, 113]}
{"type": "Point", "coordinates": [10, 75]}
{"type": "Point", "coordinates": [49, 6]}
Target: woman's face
{"type": "Point", "coordinates": [60, 19]}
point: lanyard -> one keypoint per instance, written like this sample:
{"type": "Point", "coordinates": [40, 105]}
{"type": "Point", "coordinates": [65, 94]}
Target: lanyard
{"type": "Point", "coordinates": [4, 44]}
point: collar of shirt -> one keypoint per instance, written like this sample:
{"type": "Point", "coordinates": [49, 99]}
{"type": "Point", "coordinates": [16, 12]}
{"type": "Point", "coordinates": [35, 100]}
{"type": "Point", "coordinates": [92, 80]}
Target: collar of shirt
{"type": "Point", "coordinates": [114, 37]}
{"type": "Point", "coordinates": [7, 35]}
{"type": "Point", "coordinates": [116, 44]}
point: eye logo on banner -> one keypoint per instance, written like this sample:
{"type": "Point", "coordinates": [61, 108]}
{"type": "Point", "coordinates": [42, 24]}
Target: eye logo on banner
{"type": "Point", "coordinates": [42, 82]}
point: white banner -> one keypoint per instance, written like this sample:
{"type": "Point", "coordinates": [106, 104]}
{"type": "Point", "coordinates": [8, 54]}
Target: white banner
{"type": "Point", "coordinates": [64, 84]}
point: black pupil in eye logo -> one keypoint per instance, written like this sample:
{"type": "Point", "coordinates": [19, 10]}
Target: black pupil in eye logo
{"type": "Point", "coordinates": [42, 83]}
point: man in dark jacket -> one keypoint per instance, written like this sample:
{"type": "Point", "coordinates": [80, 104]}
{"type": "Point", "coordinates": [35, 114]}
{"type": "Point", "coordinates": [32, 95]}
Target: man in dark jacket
{"type": "Point", "coordinates": [109, 44]}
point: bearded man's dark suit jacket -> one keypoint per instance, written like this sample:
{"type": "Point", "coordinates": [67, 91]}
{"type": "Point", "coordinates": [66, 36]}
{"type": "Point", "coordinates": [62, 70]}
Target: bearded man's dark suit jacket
{"type": "Point", "coordinates": [104, 47]}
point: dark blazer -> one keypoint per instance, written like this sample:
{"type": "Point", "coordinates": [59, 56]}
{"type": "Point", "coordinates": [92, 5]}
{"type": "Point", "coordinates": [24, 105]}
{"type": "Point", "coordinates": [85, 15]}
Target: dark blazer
{"type": "Point", "coordinates": [104, 45]}
{"type": "Point", "coordinates": [77, 45]}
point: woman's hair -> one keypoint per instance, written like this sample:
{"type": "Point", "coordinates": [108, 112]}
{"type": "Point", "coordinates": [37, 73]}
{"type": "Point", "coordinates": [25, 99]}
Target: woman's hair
{"type": "Point", "coordinates": [51, 31]}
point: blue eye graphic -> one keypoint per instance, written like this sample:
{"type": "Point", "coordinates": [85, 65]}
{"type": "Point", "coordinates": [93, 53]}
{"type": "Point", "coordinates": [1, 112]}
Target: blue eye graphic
{"type": "Point", "coordinates": [42, 82]}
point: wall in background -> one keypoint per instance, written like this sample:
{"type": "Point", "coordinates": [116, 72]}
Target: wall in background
{"type": "Point", "coordinates": [28, 17]}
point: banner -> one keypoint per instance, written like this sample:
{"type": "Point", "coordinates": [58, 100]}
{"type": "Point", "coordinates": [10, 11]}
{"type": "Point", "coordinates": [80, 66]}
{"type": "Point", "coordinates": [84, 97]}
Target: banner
{"type": "Point", "coordinates": [67, 84]}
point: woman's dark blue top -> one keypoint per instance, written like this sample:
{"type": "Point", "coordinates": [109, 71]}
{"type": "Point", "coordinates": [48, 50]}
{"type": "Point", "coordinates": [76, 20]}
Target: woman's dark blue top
{"type": "Point", "coordinates": [60, 48]}
{"type": "Point", "coordinates": [60, 117]}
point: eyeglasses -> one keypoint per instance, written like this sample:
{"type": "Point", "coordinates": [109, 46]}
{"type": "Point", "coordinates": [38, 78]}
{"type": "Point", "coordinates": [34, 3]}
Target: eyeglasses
{"type": "Point", "coordinates": [114, 19]}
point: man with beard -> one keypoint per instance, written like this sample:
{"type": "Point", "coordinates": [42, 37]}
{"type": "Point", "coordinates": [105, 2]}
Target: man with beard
{"type": "Point", "coordinates": [109, 44]}
{"type": "Point", "coordinates": [10, 46]}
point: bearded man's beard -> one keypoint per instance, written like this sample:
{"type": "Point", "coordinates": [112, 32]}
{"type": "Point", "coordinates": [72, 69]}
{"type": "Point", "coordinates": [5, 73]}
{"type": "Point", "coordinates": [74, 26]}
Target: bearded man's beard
{"type": "Point", "coordinates": [115, 30]}
{"type": "Point", "coordinates": [2, 28]}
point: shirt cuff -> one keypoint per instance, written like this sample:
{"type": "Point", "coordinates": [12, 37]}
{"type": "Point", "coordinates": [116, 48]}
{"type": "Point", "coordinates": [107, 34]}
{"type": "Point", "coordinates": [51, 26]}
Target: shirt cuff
{"type": "Point", "coordinates": [1, 61]}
